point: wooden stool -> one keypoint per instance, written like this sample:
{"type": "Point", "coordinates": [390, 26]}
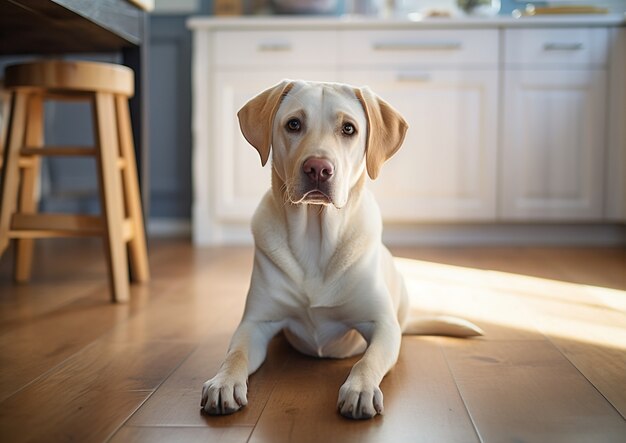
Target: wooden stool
{"type": "Point", "coordinates": [107, 87]}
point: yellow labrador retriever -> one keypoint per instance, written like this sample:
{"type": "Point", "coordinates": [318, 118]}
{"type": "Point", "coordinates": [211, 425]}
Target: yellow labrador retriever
{"type": "Point", "coordinates": [321, 273]}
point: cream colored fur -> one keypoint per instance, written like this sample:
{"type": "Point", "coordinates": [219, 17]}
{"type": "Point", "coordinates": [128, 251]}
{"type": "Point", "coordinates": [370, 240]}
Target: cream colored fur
{"type": "Point", "coordinates": [321, 273]}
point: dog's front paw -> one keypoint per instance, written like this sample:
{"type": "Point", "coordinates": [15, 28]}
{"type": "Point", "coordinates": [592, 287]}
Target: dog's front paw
{"type": "Point", "coordinates": [223, 394]}
{"type": "Point", "coordinates": [360, 400]}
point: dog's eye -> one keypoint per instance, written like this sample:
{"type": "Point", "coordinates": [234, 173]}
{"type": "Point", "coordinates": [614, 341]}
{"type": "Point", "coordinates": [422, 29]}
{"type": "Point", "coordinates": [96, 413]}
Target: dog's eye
{"type": "Point", "coordinates": [294, 125]}
{"type": "Point", "coordinates": [348, 129]}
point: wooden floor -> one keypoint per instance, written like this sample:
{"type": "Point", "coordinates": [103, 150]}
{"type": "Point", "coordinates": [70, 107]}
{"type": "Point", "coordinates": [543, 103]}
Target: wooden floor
{"type": "Point", "coordinates": [551, 367]}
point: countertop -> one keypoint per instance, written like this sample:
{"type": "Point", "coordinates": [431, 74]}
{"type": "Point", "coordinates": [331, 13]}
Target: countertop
{"type": "Point", "coordinates": [355, 22]}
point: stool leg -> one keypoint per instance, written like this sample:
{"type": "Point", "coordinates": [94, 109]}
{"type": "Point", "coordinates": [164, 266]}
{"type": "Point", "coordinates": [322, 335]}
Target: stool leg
{"type": "Point", "coordinates": [10, 175]}
{"type": "Point", "coordinates": [111, 194]}
{"type": "Point", "coordinates": [140, 271]}
{"type": "Point", "coordinates": [5, 97]}
{"type": "Point", "coordinates": [28, 200]}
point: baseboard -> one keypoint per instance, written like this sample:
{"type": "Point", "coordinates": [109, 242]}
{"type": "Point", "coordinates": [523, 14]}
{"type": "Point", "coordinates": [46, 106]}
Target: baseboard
{"type": "Point", "coordinates": [503, 234]}
{"type": "Point", "coordinates": [506, 234]}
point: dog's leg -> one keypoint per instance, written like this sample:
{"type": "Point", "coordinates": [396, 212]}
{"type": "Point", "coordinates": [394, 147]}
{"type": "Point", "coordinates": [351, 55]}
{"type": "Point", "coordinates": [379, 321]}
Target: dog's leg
{"type": "Point", "coordinates": [360, 396]}
{"type": "Point", "coordinates": [227, 391]}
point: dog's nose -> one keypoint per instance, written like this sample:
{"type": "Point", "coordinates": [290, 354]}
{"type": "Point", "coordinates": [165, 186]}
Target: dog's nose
{"type": "Point", "coordinates": [318, 169]}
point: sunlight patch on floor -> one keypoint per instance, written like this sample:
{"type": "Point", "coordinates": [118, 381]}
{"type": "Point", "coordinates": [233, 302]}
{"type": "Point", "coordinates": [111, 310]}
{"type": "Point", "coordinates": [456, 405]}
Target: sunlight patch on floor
{"type": "Point", "coordinates": [530, 305]}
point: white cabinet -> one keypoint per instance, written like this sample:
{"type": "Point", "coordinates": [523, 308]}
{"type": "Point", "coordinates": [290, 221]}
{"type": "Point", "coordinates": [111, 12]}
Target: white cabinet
{"type": "Point", "coordinates": [445, 84]}
{"type": "Point", "coordinates": [555, 48]}
{"type": "Point", "coordinates": [553, 145]}
{"type": "Point", "coordinates": [508, 122]}
{"type": "Point", "coordinates": [231, 67]}
{"type": "Point", "coordinates": [392, 48]}
{"type": "Point", "coordinates": [446, 168]}
{"type": "Point", "coordinates": [237, 179]}
{"type": "Point", "coordinates": [274, 49]}
{"type": "Point", "coordinates": [554, 128]}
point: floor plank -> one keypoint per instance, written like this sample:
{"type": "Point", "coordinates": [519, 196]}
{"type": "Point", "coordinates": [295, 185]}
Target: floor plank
{"type": "Point", "coordinates": [469, 293]}
{"type": "Point", "coordinates": [131, 434]}
{"type": "Point", "coordinates": [86, 416]}
{"type": "Point", "coordinates": [592, 266]}
{"type": "Point", "coordinates": [422, 403]}
{"type": "Point", "coordinates": [603, 366]}
{"type": "Point", "coordinates": [177, 402]}
{"type": "Point", "coordinates": [593, 338]}
{"type": "Point", "coordinates": [38, 337]}
{"type": "Point", "coordinates": [527, 391]}
{"type": "Point", "coordinates": [77, 394]}
{"type": "Point", "coordinates": [31, 348]}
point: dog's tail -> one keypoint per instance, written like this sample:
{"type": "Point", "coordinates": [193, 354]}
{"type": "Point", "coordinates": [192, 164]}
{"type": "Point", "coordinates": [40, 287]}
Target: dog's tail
{"type": "Point", "coordinates": [442, 325]}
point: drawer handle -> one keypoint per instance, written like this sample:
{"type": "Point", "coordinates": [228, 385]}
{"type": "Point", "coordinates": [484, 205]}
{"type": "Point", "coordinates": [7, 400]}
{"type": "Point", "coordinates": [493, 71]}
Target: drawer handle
{"type": "Point", "coordinates": [274, 47]}
{"type": "Point", "coordinates": [562, 46]}
{"type": "Point", "coordinates": [418, 78]}
{"type": "Point", "coordinates": [417, 46]}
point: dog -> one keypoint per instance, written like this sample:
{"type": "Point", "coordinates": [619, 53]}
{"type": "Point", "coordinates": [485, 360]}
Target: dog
{"type": "Point", "coordinates": [321, 273]}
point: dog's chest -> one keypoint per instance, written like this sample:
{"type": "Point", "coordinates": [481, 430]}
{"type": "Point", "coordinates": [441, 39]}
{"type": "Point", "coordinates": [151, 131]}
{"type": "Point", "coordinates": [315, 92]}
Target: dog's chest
{"type": "Point", "coordinates": [320, 325]}
{"type": "Point", "coordinates": [318, 332]}
{"type": "Point", "coordinates": [319, 321]}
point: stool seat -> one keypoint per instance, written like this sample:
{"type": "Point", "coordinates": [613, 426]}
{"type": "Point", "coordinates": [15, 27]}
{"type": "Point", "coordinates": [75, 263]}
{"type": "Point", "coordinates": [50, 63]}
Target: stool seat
{"type": "Point", "coordinates": [107, 88]}
{"type": "Point", "coordinates": [62, 76]}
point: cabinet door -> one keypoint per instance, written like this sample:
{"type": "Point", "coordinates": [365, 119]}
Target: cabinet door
{"type": "Point", "coordinates": [237, 179]}
{"type": "Point", "coordinates": [553, 145]}
{"type": "Point", "coordinates": [446, 169]}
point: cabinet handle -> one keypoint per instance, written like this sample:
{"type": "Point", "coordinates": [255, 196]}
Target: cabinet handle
{"type": "Point", "coordinates": [562, 46]}
{"type": "Point", "coordinates": [274, 47]}
{"type": "Point", "coordinates": [418, 78]}
{"type": "Point", "coordinates": [417, 46]}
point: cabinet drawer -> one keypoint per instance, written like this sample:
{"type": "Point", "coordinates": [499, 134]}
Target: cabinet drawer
{"type": "Point", "coordinates": [571, 46]}
{"type": "Point", "coordinates": [418, 47]}
{"type": "Point", "coordinates": [275, 48]}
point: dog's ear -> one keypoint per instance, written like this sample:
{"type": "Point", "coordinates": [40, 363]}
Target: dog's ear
{"type": "Point", "coordinates": [257, 117]}
{"type": "Point", "coordinates": [386, 129]}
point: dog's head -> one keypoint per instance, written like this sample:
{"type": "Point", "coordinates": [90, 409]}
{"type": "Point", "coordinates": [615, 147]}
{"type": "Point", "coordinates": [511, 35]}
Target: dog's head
{"type": "Point", "coordinates": [322, 136]}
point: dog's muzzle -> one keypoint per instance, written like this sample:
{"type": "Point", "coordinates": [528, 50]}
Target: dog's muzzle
{"type": "Point", "coordinates": [317, 180]}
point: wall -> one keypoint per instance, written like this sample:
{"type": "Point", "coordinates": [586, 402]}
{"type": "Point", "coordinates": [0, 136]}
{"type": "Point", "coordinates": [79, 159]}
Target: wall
{"type": "Point", "coordinates": [170, 116]}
